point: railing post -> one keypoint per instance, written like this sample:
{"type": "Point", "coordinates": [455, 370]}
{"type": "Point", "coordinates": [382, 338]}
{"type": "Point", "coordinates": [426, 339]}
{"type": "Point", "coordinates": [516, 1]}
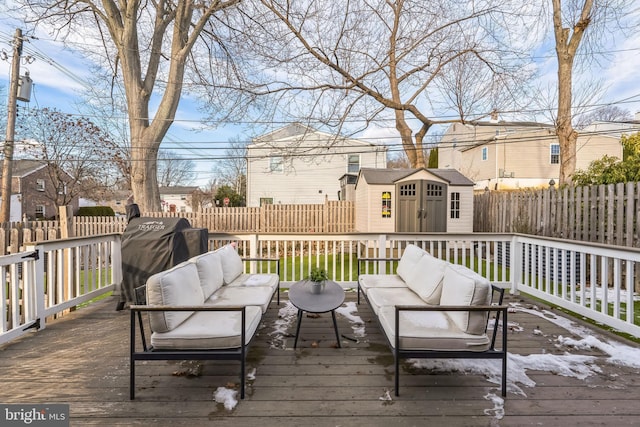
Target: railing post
{"type": "Point", "coordinates": [382, 246]}
{"type": "Point", "coordinates": [39, 288]}
{"type": "Point", "coordinates": [253, 252]}
{"type": "Point", "coordinates": [116, 265]}
{"type": "Point", "coordinates": [515, 262]}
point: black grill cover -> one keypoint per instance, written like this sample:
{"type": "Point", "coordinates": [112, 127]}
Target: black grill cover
{"type": "Point", "coordinates": [151, 245]}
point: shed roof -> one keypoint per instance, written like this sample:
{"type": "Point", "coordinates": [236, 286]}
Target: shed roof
{"type": "Point", "coordinates": [389, 176]}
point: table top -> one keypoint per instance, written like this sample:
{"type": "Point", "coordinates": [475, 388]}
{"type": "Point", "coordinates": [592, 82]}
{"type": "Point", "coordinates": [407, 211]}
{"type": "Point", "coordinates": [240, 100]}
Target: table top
{"type": "Point", "coordinates": [329, 299]}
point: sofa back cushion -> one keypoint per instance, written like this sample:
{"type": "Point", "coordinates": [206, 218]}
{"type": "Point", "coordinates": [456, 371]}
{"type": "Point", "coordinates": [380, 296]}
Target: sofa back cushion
{"type": "Point", "coordinates": [209, 272]}
{"type": "Point", "coordinates": [426, 278]}
{"type": "Point", "coordinates": [464, 287]}
{"type": "Point", "coordinates": [232, 266]}
{"type": "Point", "coordinates": [408, 261]}
{"type": "Point", "coordinates": [179, 286]}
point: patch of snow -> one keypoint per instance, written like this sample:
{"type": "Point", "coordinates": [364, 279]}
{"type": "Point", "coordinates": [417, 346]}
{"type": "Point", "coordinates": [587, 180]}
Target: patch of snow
{"type": "Point", "coordinates": [348, 310]}
{"type": "Point", "coordinates": [226, 396]}
{"type": "Point", "coordinates": [251, 375]}
{"type": "Point", "coordinates": [497, 411]}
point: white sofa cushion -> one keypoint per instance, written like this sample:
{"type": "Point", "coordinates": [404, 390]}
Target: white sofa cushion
{"type": "Point", "coordinates": [231, 263]}
{"type": "Point", "coordinates": [208, 330]}
{"type": "Point", "coordinates": [209, 271]}
{"type": "Point", "coordinates": [255, 280]}
{"type": "Point", "coordinates": [370, 281]}
{"type": "Point", "coordinates": [408, 261]}
{"type": "Point", "coordinates": [178, 286]}
{"type": "Point", "coordinates": [426, 278]}
{"type": "Point", "coordinates": [429, 330]}
{"type": "Point", "coordinates": [381, 297]}
{"type": "Point", "coordinates": [234, 296]}
{"type": "Point", "coordinates": [463, 287]}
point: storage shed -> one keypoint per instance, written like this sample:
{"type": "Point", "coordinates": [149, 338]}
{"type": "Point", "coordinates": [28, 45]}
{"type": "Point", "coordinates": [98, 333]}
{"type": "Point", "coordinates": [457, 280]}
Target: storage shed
{"type": "Point", "coordinates": [413, 200]}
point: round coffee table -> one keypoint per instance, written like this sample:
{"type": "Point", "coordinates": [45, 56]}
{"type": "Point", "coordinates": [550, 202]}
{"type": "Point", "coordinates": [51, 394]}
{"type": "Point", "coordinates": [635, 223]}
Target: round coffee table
{"type": "Point", "coordinates": [303, 299]}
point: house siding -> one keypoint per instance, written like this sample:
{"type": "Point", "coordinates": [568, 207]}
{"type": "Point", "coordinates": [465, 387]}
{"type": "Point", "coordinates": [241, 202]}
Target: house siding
{"type": "Point", "coordinates": [518, 155]}
{"type": "Point", "coordinates": [25, 186]}
{"type": "Point", "coordinates": [309, 175]}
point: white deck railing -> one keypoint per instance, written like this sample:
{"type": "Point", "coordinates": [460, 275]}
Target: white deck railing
{"type": "Point", "coordinates": [595, 281]}
{"type": "Point", "coordinates": [51, 277]}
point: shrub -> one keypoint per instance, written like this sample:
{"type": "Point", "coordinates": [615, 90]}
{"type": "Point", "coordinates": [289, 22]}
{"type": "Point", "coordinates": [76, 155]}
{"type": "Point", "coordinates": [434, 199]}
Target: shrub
{"type": "Point", "coordinates": [95, 211]}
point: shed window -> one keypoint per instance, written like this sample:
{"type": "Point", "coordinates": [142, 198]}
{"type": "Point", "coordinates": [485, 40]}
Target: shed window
{"type": "Point", "coordinates": [455, 205]}
{"type": "Point", "coordinates": [386, 204]}
{"type": "Point", "coordinates": [408, 190]}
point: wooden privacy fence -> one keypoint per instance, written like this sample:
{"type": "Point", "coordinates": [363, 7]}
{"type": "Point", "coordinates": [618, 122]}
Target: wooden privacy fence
{"type": "Point", "coordinates": [330, 217]}
{"type": "Point", "coordinates": [600, 213]}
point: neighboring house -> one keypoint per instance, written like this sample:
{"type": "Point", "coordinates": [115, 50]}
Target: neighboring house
{"type": "Point", "coordinates": [301, 165]}
{"type": "Point", "coordinates": [413, 200]}
{"type": "Point", "coordinates": [510, 155]}
{"type": "Point", "coordinates": [176, 199]}
{"type": "Point", "coordinates": [34, 192]}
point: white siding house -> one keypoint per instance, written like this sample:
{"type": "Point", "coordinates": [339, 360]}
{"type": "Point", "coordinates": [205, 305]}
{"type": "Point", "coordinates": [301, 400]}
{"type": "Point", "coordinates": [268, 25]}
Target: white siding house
{"type": "Point", "coordinates": [301, 165]}
{"type": "Point", "coordinates": [176, 199]}
{"type": "Point", "coordinates": [383, 204]}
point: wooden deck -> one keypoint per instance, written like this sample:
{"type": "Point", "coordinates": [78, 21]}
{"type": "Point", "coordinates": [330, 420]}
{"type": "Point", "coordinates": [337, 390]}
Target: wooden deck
{"type": "Point", "coordinates": [82, 360]}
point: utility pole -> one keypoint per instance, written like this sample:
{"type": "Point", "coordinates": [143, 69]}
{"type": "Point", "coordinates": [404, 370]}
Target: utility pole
{"type": "Point", "coordinates": [7, 164]}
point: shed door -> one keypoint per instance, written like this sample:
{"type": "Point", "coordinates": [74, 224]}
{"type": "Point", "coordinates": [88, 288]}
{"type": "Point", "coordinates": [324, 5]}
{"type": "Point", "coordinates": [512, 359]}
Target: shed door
{"type": "Point", "coordinates": [408, 207]}
{"type": "Point", "coordinates": [422, 207]}
{"type": "Point", "coordinates": [434, 207]}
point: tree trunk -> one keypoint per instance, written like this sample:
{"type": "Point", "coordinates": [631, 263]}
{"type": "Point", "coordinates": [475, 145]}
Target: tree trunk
{"type": "Point", "coordinates": [566, 47]}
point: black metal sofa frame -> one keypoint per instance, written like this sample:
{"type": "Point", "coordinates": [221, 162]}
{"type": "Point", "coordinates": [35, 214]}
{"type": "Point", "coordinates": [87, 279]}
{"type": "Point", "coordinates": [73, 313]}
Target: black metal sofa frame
{"type": "Point", "coordinates": [150, 353]}
{"type": "Point", "coordinates": [492, 352]}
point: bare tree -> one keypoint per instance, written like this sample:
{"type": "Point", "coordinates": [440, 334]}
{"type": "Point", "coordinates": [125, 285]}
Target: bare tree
{"type": "Point", "coordinates": [147, 43]}
{"type": "Point", "coordinates": [609, 113]}
{"type": "Point", "coordinates": [232, 171]}
{"type": "Point", "coordinates": [573, 23]}
{"type": "Point", "coordinates": [336, 62]}
{"type": "Point", "coordinates": [82, 160]}
{"type": "Point", "coordinates": [174, 170]}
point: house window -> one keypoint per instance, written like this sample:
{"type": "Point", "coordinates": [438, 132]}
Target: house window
{"type": "Point", "coordinates": [455, 205]}
{"type": "Point", "coordinates": [386, 204]}
{"type": "Point", "coordinates": [40, 211]}
{"type": "Point", "coordinates": [266, 201]}
{"type": "Point", "coordinates": [554, 150]}
{"type": "Point", "coordinates": [353, 165]}
{"type": "Point", "coordinates": [276, 164]}
{"type": "Point", "coordinates": [40, 185]}
{"type": "Point", "coordinates": [485, 153]}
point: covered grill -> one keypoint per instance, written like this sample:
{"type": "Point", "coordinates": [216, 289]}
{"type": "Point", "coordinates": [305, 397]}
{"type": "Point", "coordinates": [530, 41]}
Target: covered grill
{"type": "Point", "coordinates": [151, 245]}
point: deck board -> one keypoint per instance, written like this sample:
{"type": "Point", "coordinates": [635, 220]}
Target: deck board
{"type": "Point", "coordinates": [82, 359]}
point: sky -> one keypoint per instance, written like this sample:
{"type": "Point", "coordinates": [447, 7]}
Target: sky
{"type": "Point", "coordinates": [61, 75]}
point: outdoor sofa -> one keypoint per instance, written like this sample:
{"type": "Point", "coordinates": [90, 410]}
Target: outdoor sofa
{"type": "Point", "coordinates": [202, 309]}
{"type": "Point", "coordinates": [430, 308]}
